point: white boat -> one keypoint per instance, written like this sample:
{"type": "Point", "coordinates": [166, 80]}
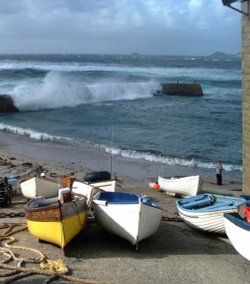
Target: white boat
{"type": "Point", "coordinates": [238, 232]}
{"type": "Point", "coordinates": [84, 189]}
{"type": "Point", "coordinates": [94, 182]}
{"type": "Point", "coordinates": [101, 179]}
{"type": "Point", "coordinates": [39, 186]}
{"type": "Point", "coordinates": [90, 189]}
{"type": "Point", "coordinates": [205, 211]}
{"type": "Point", "coordinates": [133, 217]}
{"type": "Point", "coordinates": [183, 186]}
{"type": "Point", "coordinates": [109, 185]}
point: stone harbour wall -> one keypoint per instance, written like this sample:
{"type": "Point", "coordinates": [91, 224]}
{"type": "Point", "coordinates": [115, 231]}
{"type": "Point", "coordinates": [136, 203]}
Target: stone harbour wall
{"type": "Point", "coordinates": [246, 99]}
{"type": "Point", "coordinates": [181, 89]}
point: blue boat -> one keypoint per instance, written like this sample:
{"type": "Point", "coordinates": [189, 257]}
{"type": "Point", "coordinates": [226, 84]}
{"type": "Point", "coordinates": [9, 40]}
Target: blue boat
{"type": "Point", "coordinates": [205, 211]}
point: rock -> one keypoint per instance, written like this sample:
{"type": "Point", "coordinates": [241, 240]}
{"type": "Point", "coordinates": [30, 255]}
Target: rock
{"type": "Point", "coordinates": [7, 104]}
{"type": "Point", "coordinates": [179, 89]}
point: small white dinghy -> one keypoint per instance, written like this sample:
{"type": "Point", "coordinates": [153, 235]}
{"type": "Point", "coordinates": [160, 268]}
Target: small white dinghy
{"type": "Point", "coordinates": [94, 182]}
{"type": "Point", "coordinates": [39, 186]}
{"type": "Point", "coordinates": [183, 186]}
{"type": "Point", "coordinates": [42, 186]}
{"type": "Point", "coordinates": [133, 217]}
{"type": "Point", "coordinates": [84, 189]}
{"type": "Point", "coordinates": [238, 232]}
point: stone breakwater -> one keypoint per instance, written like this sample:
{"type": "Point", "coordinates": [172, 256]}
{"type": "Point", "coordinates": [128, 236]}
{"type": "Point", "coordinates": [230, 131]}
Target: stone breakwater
{"type": "Point", "coordinates": [180, 89]}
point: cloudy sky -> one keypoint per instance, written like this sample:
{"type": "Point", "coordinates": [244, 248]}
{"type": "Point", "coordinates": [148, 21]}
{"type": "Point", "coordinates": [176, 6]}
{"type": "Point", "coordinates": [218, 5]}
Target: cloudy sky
{"type": "Point", "coordinates": [174, 27]}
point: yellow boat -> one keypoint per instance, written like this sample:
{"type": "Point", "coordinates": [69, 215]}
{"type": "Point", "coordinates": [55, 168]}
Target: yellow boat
{"type": "Point", "coordinates": [56, 220]}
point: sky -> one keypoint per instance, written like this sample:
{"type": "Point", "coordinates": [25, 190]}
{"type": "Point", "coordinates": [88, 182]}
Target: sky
{"type": "Point", "coordinates": [157, 27]}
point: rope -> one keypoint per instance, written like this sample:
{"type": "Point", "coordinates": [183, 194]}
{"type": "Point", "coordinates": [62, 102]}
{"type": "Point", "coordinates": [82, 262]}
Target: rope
{"type": "Point", "coordinates": [9, 240]}
{"type": "Point", "coordinates": [50, 268]}
{"type": "Point", "coordinates": [48, 273]}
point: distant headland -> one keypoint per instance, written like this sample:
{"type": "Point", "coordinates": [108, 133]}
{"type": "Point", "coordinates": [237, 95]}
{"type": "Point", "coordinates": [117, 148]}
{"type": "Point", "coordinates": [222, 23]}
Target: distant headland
{"type": "Point", "coordinates": [221, 55]}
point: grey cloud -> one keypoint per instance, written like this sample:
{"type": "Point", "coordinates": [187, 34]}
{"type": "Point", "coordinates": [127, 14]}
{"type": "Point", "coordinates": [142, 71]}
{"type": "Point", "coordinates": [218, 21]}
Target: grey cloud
{"type": "Point", "coordinates": [124, 26]}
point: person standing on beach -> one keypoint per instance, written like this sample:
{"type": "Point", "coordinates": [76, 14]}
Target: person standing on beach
{"type": "Point", "coordinates": [219, 172]}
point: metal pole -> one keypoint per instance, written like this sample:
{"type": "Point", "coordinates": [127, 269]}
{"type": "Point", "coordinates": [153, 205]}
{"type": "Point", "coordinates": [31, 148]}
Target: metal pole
{"type": "Point", "coordinates": [111, 149]}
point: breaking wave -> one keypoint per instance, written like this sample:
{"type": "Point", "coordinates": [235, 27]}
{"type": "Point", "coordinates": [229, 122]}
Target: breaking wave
{"type": "Point", "coordinates": [33, 134]}
{"type": "Point", "coordinates": [131, 154]}
{"type": "Point", "coordinates": [57, 90]}
{"type": "Point", "coordinates": [167, 160]}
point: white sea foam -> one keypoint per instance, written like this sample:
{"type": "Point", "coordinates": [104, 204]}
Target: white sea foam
{"type": "Point", "coordinates": [31, 133]}
{"type": "Point", "coordinates": [88, 67]}
{"type": "Point", "coordinates": [58, 91]}
{"type": "Point", "coordinates": [179, 72]}
{"type": "Point", "coordinates": [117, 151]}
{"type": "Point", "coordinates": [172, 161]}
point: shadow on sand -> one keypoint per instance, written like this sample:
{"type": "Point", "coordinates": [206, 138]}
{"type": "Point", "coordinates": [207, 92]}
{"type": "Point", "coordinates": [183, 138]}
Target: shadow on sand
{"type": "Point", "coordinates": [172, 238]}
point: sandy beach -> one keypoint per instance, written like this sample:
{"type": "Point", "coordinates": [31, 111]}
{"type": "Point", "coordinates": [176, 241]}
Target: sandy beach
{"type": "Point", "coordinates": [176, 253]}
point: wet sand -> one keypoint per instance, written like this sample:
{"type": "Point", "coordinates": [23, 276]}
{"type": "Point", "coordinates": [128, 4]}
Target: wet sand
{"type": "Point", "coordinates": [176, 253]}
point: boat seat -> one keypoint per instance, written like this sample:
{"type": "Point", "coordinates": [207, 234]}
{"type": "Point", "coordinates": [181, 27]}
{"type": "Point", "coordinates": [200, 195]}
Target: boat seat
{"type": "Point", "coordinates": [198, 204]}
{"type": "Point", "coordinates": [224, 204]}
{"type": "Point", "coordinates": [42, 201]}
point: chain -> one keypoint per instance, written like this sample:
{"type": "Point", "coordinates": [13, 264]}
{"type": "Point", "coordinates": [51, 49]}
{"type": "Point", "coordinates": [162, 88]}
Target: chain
{"type": "Point", "coordinates": [12, 214]}
{"type": "Point", "coordinates": [172, 219]}
{"type": "Point", "coordinates": [17, 214]}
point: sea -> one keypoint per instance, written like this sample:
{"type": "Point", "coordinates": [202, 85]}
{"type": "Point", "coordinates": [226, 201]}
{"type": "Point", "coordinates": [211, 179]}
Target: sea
{"type": "Point", "coordinates": [107, 102]}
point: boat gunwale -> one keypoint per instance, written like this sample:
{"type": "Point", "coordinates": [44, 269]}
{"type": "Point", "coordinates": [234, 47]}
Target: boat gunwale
{"type": "Point", "coordinates": [138, 199]}
{"type": "Point", "coordinates": [178, 179]}
{"type": "Point", "coordinates": [55, 210]}
{"type": "Point", "coordinates": [34, 216]}
{"type": "Point", "coordinates": [205, 212]}
{"type": "Point", "coordinates": [42, 207]}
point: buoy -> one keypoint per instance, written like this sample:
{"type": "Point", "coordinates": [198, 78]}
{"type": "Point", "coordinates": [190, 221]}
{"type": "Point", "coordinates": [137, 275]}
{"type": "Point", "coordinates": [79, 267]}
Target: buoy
{"type": "Point", "coordinates": [156, 186]}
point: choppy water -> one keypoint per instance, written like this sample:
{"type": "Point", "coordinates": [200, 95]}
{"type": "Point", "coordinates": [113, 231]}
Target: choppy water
{"type": "Point", "coordinates": [107, 101]}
